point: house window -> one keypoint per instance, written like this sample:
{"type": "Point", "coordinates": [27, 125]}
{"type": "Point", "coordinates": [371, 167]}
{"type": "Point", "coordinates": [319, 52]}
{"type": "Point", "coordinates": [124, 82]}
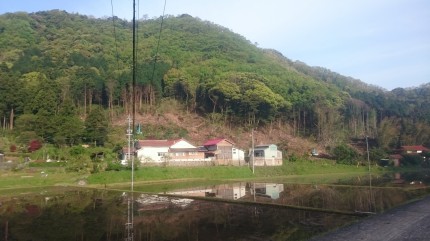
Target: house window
{"type": "Point", "coordinates": [259, 153]}
{"type": "Point", "coordinates": [192, 153]}
{"type": "Point", "coordinates": [162, 154]}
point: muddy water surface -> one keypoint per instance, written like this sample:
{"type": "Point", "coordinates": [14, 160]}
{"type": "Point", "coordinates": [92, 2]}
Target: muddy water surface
{"type": "Point", "coordinates": [196, 211]}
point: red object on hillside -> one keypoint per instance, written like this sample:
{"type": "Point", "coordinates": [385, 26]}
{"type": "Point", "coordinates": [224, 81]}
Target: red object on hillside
{"type": "Point", "coordinates": [34, 145]}
{"type": "Point", "coordinates": [12, 148]}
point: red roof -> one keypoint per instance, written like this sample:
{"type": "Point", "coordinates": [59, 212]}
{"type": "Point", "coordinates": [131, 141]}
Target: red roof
{"type": "Point", "coordinates": [215, 141]}
{"type": "Point", "coordinates": [414, 148]}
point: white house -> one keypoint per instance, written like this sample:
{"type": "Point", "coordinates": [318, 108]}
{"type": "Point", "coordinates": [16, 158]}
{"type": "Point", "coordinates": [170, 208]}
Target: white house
{"type": "Point", "coordinates": [167, 150]}
{"type": "Point", "coordinates": [267, 155]}
{"type": "Point", "coordinates": [238, 155]}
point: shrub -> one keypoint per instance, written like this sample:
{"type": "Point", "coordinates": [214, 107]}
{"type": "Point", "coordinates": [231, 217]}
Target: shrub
{"type": "Point", "coordinates": [77, 151]}
{"type": "Point", "coordinates": [376, 154]}
{"type": "Point", "coordinates": [345, 154]}
{"type": "Point", "coordinates": [115, 166]}
{"type": "Point", "coordinates": [293, 158]}
{"type": "Point", "coordinates": [412, 160]}
{"type": "Point", "coordinates": [79, 164]}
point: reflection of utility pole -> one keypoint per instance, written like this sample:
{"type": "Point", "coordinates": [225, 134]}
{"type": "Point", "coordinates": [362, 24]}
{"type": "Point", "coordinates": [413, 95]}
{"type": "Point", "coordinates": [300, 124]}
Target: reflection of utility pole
{"type": "Point", "coordinates": [370, 178]}
{"type": "Point", "coordinates": [253, 190]}
{"type": "Point", "coordinates": [367, 148]}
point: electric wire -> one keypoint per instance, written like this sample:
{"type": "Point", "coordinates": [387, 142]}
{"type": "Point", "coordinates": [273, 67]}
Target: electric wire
{"type": "Point", "coordinates": [134, 66]}
{"type": "Point", "coordinates": [137, 28]}
{"type": "Point", "coordinates": [159, 40]}
{"type": "Point", "coordinates": [114, 35]}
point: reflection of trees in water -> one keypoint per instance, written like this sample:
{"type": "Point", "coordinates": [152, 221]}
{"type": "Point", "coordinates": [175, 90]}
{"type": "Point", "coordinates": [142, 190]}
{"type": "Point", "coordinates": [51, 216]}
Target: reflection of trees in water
{"type": "Point", "coordinates": [101, 215]}
{"type": "Point", "coordinates": [69, 215]}
{"type": "Point", "coordinates": [347, 198]}
{"type": "Point", "coordinates": [221, 221]}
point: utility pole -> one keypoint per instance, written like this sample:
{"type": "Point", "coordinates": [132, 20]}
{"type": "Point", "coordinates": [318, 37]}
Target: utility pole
{"type": "Point", "coordinates": [130, 160]}
{"type": "Point", "coordinates": [252, 151]}
{"type": "Point", "coordinates": [130, 236]}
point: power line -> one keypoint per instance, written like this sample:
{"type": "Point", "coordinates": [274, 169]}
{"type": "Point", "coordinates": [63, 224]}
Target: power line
{"type": "Point", "coordinates": [137, 30]}
{"type": "Point", "coordinates": [114, 35]}
{"type": "Point", "coordinates": [159, 40]}
{"type": "Point", "coordinates": [134, 65]}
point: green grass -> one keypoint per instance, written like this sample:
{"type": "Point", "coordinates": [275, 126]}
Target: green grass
{"type": "Point", "coordinates": [33, 177]}
{"type": "Point", "coordinates": [298, 170]}
{"type": "Point", "coordinates": [171, 173]}
{"type": "Point", "coordinates": [146, 174]}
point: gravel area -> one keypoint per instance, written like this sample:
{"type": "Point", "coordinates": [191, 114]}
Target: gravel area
{"type": "Point", "coordinates": [407, 222]}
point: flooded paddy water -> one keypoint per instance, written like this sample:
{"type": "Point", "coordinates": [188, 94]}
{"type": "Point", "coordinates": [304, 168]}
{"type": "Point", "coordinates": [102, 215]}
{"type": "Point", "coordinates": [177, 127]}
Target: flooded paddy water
{"type": "Point", "coordinates": [270, 210]}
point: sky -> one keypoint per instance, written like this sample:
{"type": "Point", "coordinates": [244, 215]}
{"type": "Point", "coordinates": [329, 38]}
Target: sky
{"type": "Point", "coordinates": [385, 43]}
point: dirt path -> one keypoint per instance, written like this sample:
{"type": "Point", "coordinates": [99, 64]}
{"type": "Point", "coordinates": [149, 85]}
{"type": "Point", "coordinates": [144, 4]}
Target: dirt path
{"type": "Point", "coordinates": [408, 222]}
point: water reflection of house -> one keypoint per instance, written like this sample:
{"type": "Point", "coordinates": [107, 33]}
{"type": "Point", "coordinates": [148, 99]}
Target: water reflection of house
{"type": "Point", "coordinates": [398, 178]}
{"type": "Point", "coordinates": [148, 202]}
{"type": "Point", "coordinates": [234, 191]}
{"type": "Point", "coordinates": [270, 190]}
{"type": "Point", "coordinates": [267, 155]}
{"type": "Point", "coordinates": [230, 191]}
{"type": "Point", "coordinates": [194, 192]}
{"type": "Point", "coordinates": [225, 191]}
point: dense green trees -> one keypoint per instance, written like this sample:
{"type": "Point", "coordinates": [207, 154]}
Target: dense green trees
{"type": "Point", "coordinates": [96, 126]}
{"type": "Point", "coordinates": [345, 154]}
{"type": "Point", "coordinates": [243, 96]}
{"type": "Point", "coordinates": [59, 71]}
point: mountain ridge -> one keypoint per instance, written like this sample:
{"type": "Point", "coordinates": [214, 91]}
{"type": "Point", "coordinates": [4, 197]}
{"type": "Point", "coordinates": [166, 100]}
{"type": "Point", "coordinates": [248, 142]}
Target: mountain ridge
{"type": "Point", "coordinates": [209, 69]}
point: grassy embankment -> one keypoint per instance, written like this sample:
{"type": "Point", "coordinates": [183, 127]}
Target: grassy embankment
{"type": "Point", "coordinates": [299, 170]}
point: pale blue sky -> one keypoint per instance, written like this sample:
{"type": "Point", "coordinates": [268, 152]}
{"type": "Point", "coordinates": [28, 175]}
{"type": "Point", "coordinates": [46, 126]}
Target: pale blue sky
{"type": "Point", "coordinates": [381, 42]}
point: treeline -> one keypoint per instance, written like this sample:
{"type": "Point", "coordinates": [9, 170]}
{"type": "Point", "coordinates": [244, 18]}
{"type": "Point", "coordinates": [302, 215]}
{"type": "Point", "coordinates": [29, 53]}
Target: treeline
{"type": "Point", "coordinates": [65, 76]}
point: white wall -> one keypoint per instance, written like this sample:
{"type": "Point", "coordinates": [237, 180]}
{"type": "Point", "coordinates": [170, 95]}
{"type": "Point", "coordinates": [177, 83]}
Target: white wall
{"type": "Point", "coordinates": [238, 155]}
{"type": "Point", "coordinates": [151, 153]}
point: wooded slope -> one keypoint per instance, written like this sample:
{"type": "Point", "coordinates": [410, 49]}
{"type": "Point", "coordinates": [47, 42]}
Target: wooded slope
{"type": "Point", "coordinates": [55, 67]}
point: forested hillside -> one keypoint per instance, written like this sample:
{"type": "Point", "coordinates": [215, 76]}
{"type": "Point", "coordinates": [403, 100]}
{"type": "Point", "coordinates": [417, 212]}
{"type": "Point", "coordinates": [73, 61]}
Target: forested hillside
{"type": "Point", "coordinates": [65, 77]}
